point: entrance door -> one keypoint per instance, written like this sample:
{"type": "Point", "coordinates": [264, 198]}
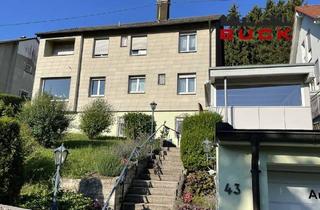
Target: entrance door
{"type": "Point", "coordinates": [294, 191]}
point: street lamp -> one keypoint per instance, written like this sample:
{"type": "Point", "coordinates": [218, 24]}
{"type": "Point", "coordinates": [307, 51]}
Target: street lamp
{"type": "Point", "coordinates": [153, 106]}
{"type": "Point", "coordinates": [60, 156]}
{"type": "Point", "coordinates": [208, 146]}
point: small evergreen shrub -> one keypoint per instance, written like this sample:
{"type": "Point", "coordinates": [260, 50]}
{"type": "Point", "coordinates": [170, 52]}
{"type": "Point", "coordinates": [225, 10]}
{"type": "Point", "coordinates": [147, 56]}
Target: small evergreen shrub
{"type": "Point", "coordinates": [137, 124]}
{"type": "Point", "coordinates": [195, 129]}
{"type": "Point", "coordinates": [6, 110]}
{"type": "Point", "coordinates": [11, 100]}
{"type": "Point", "coordinates": [96, 118]}
{"type": "Point", "coordinates": [46, 118]}
{"type": "Point", "coordinates": [11, 160]}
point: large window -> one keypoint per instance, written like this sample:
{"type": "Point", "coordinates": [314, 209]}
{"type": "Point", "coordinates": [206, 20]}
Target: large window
{"type": "Point", "coordinates": [101, 47]}
{"type": "Point", "coordinates": [136, 84]}
{"type": "Point", "coordinates": [97, 86]}
{"type": "Point", "coordinates": [282, 95]}
{"type": "Point", "coordinates": [188, 42]}
{"type": "Point", "coordinates": [59, 88]}
{"type": "Point", "coordinates": [186, 83]}
{"type": "Point", "coordinates": [139, 45]}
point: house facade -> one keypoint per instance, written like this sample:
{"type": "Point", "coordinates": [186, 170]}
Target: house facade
{"type": "Point", "coordinates": [132, 65]}
{"type": "Point", "coordinates": [306, 48]}
{"type": "Point", "coordinates": [18, 65]}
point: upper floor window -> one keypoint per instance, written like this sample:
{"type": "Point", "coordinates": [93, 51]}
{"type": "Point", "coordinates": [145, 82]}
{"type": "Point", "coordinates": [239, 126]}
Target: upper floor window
{"type": "Point", "coordinates": [124, 41]}
{"type": "Point", "coordinates": [101, 47]}
{"type": "Point", "coordinates": [161, 79]}
{"type": "Point", "coordinates": [136, 84]}
{"type": "Point", "coordinates": [139, 45]}
{"type": "Point", "coordinates": [28, 68]}
{"type": "Point", "coordinates": [264, 95]}
{"type": "Point", "coordinates": [97, 86]}
{"type": "Point", "coordinates": [59, 47]}
{"type": "Point", "coordinates": [59, 88]}
{"type": "Point", "coordinates": [188, 42]}
{"type": "Point", "coordinates": [186, 83]}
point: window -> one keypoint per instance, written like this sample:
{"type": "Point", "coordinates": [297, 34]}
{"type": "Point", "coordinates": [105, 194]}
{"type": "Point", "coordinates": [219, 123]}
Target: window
{"type": "Point", "coordinates": [59, 47]}
{"type": "Point", "coordinates": [161, 79]}
{"type": "Point", "coordinates": [186, 83]}
{"type": "Point", "coordinates": [188, 42]}
{"type": "Point", "coordinates": [59, 88]}
{"type": "Point", "coordinates": [281, 95]}
{"type": "Point", "coordinates": [136, 84]}
{"type": "Point", "coordinates": [23, 94]}
{"type": "Point", "coordinates": [101, 47]}
{"type": "Point", "coordinates": [28, 68]}
{"type": "Point", "coordinates": [120, 130]}
{"type": "Point", "coordinates": [179, 121]}
{"type": "Point", "coordinates": [139, 45]}
{"type": "Point", "coordinates": [97, 86]}
{"type": "Point", "coordinates": [124, 41]}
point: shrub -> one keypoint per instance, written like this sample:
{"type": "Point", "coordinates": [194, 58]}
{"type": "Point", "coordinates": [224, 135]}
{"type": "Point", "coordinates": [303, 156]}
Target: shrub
{"type": "Point", "coordinates": [195, 129]}
{"type": "Point", "coordinates": [96, 118]}
{"type": "Point", "coordinates": [199, 183]}
{"type": "Point", "coordinates": [46, 118]}
{"type": "Point", "coordinates": [11, 100]}
{"type": "Point", "coordinates": [137, 124]}
{"type": "Point", "coordinates": [11, 159]}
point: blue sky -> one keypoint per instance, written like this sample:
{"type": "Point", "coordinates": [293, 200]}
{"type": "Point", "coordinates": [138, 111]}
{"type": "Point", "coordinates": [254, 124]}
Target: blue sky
{"type": "Point", "coordinates": [21, 11]}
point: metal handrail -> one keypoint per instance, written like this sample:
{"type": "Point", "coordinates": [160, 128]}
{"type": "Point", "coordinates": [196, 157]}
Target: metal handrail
{"type": "Point", "coordinates": [135, 153]}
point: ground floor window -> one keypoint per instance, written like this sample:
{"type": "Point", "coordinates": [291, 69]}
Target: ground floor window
{"type": "Point", "coordinates": [120, 129]}
{"type": "Point", "coordinates": [59, 88]}
{"type": "Point", "coordinates": [97, 86]}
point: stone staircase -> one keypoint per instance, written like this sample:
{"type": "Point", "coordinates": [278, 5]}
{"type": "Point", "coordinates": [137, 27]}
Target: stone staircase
{"type": "Point", "coordinates": [151, 191]}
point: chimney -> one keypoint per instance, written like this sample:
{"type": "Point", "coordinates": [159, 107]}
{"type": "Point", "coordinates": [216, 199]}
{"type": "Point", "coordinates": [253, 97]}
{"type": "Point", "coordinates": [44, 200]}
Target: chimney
{"type": "Point", "coordinates": [163, 10]}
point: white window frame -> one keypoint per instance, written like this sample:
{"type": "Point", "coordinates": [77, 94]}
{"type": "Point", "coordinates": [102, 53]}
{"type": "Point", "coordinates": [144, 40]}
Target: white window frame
{"type": "Point", "coordinates": [178, 120]}
{"type": "Point", "coordinates": [187, 77]}
{"type": "Point", "coordinates": [98, 88]}
{"type": "Point", "coordinates": [43, 80]}
{"type": "Point", "coordinates": [120, 127]}
{"type": "Point", "coordinates": [122, 44]}
{"type": "Point", "coordinates": [94, 48]}
{"type": "Point", "coordinates": [138, 84]}
{"type": "Point", "coordinates": [139, 52]}
{"type": "Point", "coordinates": [164, 81]}
{"type": "Point", "coordinates": [188, 34]}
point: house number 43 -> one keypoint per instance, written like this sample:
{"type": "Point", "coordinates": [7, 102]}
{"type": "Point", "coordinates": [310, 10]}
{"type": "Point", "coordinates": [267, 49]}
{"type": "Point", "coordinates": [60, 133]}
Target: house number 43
{"type": "Point", "coordinates": [235, 189]}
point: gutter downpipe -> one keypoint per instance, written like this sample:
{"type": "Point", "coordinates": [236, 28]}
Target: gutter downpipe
{"type": "Point", "coordinates": [255, 173]}
{"type": "Point", "coordinates": [76, 96]}
{"type": "Point", "coordinates": [225, 100]}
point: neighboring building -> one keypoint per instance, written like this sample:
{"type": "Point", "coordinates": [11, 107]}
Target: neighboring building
{"type": "Point", "coordinates": [131, 65]}
{"type": "Point", "coordinates": [306, 48]}
{"type": "Point", "coordinates": [17, 66]}
{"type": "Point", "coordinates": [266, 154]}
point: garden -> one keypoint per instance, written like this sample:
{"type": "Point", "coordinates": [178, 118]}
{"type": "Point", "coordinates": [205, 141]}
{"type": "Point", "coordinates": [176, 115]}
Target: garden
{"type": "Point", "coordinates": [30, 131]}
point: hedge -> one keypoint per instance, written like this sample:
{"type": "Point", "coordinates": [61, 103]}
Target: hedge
{"type": "Point", "coordinates": [195, 129]}
{"type": "Point", "coordinates": [12, 100]}
{"type": "Point", "coordinates": [137, 124]}
{"type": "Point", "coordinates": [11, 160]}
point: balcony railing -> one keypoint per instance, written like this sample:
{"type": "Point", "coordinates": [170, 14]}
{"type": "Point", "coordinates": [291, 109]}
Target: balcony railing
{"type": "Point", "coordinates": [255, 117]}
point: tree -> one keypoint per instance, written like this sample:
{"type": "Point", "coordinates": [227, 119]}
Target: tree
{"type": "Point", "coordinates": [96, 118]}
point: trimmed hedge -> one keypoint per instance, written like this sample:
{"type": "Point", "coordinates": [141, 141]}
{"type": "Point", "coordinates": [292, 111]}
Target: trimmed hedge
{"type": "Point", "coordinates": [195, 129]}
{"type": "Point", "coordinates": [12, 100]}
{"type": "Point", "coordinates": [11, 160]}
{"type": "Point", "coordinates": [137, 124]}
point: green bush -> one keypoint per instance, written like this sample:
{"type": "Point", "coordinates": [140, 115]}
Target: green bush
{"type": "Point", "coordinates": [46, 118]}
{"type": "Point", "coordinates": [195, 129]}
{"type": "Point", "coordinates": [96, 118]}
{"type": "Point", "coordinates": [199, 183]}
{"type": "Point", "coordinates": [137, 124]}
{"type": "Point", "coordinates": [11, 100]}
{"type": "Point", "coordinates": [11, 159]}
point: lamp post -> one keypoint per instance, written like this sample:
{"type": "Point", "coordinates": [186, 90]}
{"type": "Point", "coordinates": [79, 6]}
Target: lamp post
{"type": "Point", "coordinates": [60, 156]}
{"type": "Point", "coordinates": [207, 146]}
{"type": "Point", "coordinates": [153, 106]}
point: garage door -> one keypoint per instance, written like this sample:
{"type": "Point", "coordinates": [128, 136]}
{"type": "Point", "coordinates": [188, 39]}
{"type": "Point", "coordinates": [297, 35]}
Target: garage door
{"type": "Point", "coordinates": [294, 191]}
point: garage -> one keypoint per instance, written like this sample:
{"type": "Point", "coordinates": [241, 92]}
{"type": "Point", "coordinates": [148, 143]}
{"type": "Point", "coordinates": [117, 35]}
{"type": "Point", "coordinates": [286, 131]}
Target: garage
{"type": "Point", "coordinates": [294, 190]}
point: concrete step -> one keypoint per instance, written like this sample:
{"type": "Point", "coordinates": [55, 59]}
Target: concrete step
{"type": "Point", "coordinates": [152, 191]}
{"type": "Point", "coordinates": [154, 199]}
{"type": "Point", "coordinates": [165, 171]}
{"type": "Point", "coordinates": [159, 178]}
{"type": "Point", "coordinates": [142, 206]}
{"type": "Point", "coordinates": [155, 184]}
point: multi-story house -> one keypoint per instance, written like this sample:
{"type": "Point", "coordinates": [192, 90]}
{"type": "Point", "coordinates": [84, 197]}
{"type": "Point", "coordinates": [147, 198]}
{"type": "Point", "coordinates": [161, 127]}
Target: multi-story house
{"type": "Point", "coordinates": [306, 48]}
{"type": "Point", "coordinates": [17, 66]}
{"type": "Point", "coordinates": [132, 65]}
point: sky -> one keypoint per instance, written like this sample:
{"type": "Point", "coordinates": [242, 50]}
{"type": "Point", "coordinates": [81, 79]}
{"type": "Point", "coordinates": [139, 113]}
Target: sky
{"type": "Point", "coordinates": [36, 13]}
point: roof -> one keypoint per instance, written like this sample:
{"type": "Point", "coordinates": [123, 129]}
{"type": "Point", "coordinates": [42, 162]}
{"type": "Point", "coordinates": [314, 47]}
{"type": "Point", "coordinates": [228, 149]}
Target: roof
{"type": "Point", "coordinates": [17, 40]}
{"type": "Point", "coordinates": [312, 11]}
{"type": "Point", "coordinates": [150, 24]}
{"type": "Point", "coordinates": [227, 135]}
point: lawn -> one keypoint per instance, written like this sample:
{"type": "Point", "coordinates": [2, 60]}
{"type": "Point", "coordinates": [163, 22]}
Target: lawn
{"type": "Point", "coordinates": [100, 156]}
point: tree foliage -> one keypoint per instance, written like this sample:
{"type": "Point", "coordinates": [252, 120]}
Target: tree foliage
{"type": "Point", "coordinates": [239, 52]}
{"type": "Point", "coordinates": [137, 124]}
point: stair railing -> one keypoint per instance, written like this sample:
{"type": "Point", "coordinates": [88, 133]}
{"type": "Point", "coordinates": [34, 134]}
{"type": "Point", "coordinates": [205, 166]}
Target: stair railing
{"type": "Point", "coordinates": [134, 155]}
